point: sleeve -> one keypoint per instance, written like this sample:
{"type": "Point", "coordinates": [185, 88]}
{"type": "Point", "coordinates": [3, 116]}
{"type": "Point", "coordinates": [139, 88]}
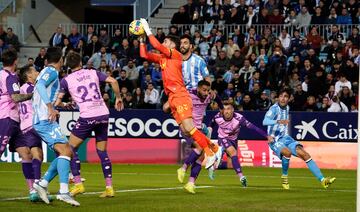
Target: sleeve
{"type": "Point", "coordinates": [43, 82]}
{"type": "Point", "coordinates": [12, 84]}
{"type": "Point", "coordinates": [102, 77]}
{"type": "Point", "coordinates": [212, 123]}
{"type": "Point", "coordinates": [245, 123]}
{"type": "Point", "coordinates": [149, 56]}
{"type": "Point", "coordinates": [30, 89]}
{"type": "Point", "coordinates": [269, 117]}
{"type": "Point", "coordinates": [203, 68]}
{"type": "Point", "coordinates": [157, 45]}
{"type": "Point", "coordinates": [64, 86]}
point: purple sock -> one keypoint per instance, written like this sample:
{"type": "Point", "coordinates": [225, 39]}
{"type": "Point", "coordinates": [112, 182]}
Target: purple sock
{"type": "Point", "coordinates": [194, 155]}
{"type": "Point", "coordinates": [106, 166]}
{"type": "Point", "coordinates": [236, 165]}
{"type": "Point", "coordinates": [195, 170]}
{"type": "Point", "coordinates": [28, 173]}
{"type": "Point", "coordinates": [36, 167]}
{"type": "Point", "coordinates": [75, 166]}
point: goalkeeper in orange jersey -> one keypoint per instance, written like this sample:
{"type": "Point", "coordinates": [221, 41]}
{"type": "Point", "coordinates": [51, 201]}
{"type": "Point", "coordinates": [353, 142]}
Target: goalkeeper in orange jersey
{"type": "Point", "coordinates": [179, 99]}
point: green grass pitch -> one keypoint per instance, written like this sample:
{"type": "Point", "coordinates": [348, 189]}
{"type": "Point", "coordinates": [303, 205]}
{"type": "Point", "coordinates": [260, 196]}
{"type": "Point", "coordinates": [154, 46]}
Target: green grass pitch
{"type": "Point", "coordinates": [155, 188]}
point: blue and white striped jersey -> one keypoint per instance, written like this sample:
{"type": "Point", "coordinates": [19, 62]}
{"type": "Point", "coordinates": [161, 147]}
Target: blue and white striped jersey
{"type": "Point", "coordinates": [45, 91]}
{"type": "Point", "coordinates": [194, 70]}
{"type": "Point", "coordinates": [274, 129]}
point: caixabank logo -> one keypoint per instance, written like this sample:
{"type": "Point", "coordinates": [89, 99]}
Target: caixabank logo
{"type": "Point", "coordinates": [340, 127]}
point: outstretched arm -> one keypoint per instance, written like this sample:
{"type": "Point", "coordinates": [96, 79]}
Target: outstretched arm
{"type": "Point", "coordinates": [147, 55]}
{"type": "Point", "coordinates": [248, 124]}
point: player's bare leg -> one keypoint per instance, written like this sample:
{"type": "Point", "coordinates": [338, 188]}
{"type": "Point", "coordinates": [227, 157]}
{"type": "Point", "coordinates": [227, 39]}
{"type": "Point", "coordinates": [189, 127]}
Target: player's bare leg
{"type": "Point", "coordinates": [101, 147]}
{"type": "Point", "coordinates": [325, 181]}
{"type": "Point", "coordinates": [75, 166]}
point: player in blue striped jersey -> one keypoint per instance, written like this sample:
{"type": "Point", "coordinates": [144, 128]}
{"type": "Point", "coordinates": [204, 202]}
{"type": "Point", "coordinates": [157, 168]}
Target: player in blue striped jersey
{"type": "Point", "coordinates": [194, 67]}
{"type": "Point", "coordinates": [44, 122]}
{"type": "Point", "coordinates": [277, 120]}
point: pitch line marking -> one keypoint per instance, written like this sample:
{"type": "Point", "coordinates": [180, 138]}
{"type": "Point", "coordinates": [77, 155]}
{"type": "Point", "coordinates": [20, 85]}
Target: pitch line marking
{"type": "Point", "coordinates": [117, 191]}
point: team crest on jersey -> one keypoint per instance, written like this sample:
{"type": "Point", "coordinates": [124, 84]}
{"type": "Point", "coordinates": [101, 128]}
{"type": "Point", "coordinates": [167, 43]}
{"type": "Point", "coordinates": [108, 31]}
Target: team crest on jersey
{"type": "Point", "coordinates": [16, 87]}
{"type": "Point", "coordinates": [163, 65]}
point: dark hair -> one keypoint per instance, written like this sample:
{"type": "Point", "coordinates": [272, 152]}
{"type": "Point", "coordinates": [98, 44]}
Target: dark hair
{"type": "Point", "coordinates": [23, 72]}
{"type": "Point", "coordinates": [186, 36]}
{"type": "Point", "coordinates": [73, 60]}
{"type": "Point", "coordinates": [226, 103]}
{"type": "Point", "coordinates": [53, 55]}
{"type": "Point", "coordinates": [285, 90]}
{"type": "Point", "coordinates": [203, 82]}
{"type": "Point", "coordinates": [9, 56]}
{"type": "Point", "coordinates": [174, 39]}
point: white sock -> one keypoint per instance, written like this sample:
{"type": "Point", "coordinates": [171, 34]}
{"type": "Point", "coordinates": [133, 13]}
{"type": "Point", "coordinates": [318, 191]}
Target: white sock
{"type": "Point", "coordinates": [44, 183]}
{"type": "Point", "coordinates": [64, 188]}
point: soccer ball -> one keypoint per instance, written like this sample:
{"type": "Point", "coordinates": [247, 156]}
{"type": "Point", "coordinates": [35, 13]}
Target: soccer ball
{"type": "Point", "coordinates": [136, 28]}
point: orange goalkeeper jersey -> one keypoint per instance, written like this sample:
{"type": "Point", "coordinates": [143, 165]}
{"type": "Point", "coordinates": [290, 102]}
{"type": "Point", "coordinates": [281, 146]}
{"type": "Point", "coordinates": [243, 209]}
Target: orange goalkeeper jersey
{"type": "Point", "coordinates": [170, 62]}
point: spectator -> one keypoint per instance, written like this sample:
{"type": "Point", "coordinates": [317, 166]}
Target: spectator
{"type": "Point", "coordinates": [3, 47]}
{"type": "Point", "coordinates": [246, 73]}
{"type": "Point", "coordinates": [310, 105]}
{"type": "Point", "coordinates": [181, 17]}
{"type": "Point", "coordinates": [80, 48]}
{"type": "Point", "coordinates": [93, 47]}
{"type": "Point", "coordinates": [238, 14]}
{"type": "Point", "coordinates": [160, 35]}
{"type": "Point", "coordinates": [300, 98]}
{"type": "Point", "coordinates": [239, 38]}
{"type": "Point", "coordinates": [128, 101]}
{"type": "Point", "coordinates": [74, 37]}
{"type": "Point", "coordinates": [294, 81]}
{"type": "Point", "coordinates": [156, 76]}
{"type": "Point", "coordinates": [103, 66]}
{"type": "Point", "coordinates": [124, 51]}
{"type": "Point", "coordinates": [247, 103]}
{"type": "Point", "coordinates": [2, 33]}
{"type": "Point", "coordinates": [57, 39]}
{"type": "Point", "coordinates": [347, 97]}
{"type": "Point", "coordinates": [116, 40]}
{"type": "Point", "coordinates": [104, 37]}
{"type": "Point", "coordinates": [341, 83]}
{"type": "Point", "coordinates": [250, 16]}
{"type": "Point", "coordinates": [90, 33]}
{"type": "Point", "coordinates": [222, 63]}
{"type": "Point", "coordinates": [303, 19]}
{"type": "Point", "coordinates": [344, 18]}
{"type": "Point", "coordinates": [332, 19]}
{"type": "Point", "coordinates": [355, 37]}
{"type": "Point", "coordinates": [134, 52]}
{"type": "Point", "coordinates": [98, 56]}
{"type": "Point", "coordinates": [12, 40]}
{"type": "Point", "coordinates": [219, 85]}
{"type": "Point", "coordinates": [262, 17]}
{"type": "Point", "coordinates": [145, 70]}
{"type": "Point", "coordinates": [189, 9]}
{"type": "Point", "coordinates": [325, 104]}
{"type": "Point", "coordinates": [31, 62]}
{"type": "Point", "coordinates": [40, 59]}
{"type": "Point", "coordinates": [132, 73]}
{"type": "Point", "coordinates": [151, 97]}
{"type": "Point", "coordinates": [254, 79]}
{"type": "Point", "coordinates": [114, 63]}
{"type": "Point", "coordinates": [314, 39]}
{"type": "Point", "coordinates": [318, 18]}
{"type": "Point", "coordinates": [229, 91]}
{"type": "Point", "coordinates": [123, 81]}
{"type": "Point", "coordinates": [337, 106]}
{"type": "Point", "coordinates": [264, 103]}
{"type": "Point", "coordinates": [138, 99]}
{"type": "Point", "coordinates": [285, 39]}
{"type": "Point", "coordinates": [336, 35]}
{"type": "Point", "coordinates": [231, 47]}
{"type": "Point", "coordinates": [276, 17]}
{"type": "Point", "coordinates": [237, 59]}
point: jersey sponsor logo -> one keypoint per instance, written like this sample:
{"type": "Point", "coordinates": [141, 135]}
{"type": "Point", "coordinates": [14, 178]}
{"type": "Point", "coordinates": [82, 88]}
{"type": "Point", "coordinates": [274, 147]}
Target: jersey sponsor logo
{"type": "Point", "coordinates": [46, 77]}
{"type": "Point", "coordinates": [16, 87]}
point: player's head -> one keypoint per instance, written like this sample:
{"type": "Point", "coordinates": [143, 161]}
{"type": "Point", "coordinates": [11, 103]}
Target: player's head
{"type": "Point", "coordinates": [203, 89]}
{"type": "Point", "coordinates": [171, 42]}
{"type": "Point", "coordinates": [73, 60]}
{"type": "Point", "coordinates": [284, 96]}
{"type": "Point", "coordinates": [186, 44]}
{"type": "Point", "coordinates": [28, 74]}
{"type": "Point", "coordinates": [54, 56]}
{"type": "Point", "coordinates": [9, 57]}
{"type": "Point", "coordinates": [228, 111]}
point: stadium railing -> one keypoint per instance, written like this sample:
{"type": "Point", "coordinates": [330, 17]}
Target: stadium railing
{"type": "Point", "coordinates": [324, 30]}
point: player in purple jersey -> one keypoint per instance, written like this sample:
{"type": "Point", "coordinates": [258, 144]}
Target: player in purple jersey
{"type": "Point", "coordinates": [9, 97]}
{"type": "Point", "coordinates": [84, 87]}
{"type": "Point", "coordinates": [28, 143]}
{"type": "Point", "coordinates": [230, 123]}
{"type": "Point", "coordinates": [201, 98]}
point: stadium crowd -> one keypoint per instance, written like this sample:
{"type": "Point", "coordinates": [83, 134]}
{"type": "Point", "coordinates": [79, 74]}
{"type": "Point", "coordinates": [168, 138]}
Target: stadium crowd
{"type": "Point", "coordinates": [248, 67]}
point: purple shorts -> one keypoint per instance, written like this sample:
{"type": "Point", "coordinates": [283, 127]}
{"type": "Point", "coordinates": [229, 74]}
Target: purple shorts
{"type": "Point", "coordinates": [84, 127]}
{"type": "Point", "coordinates": [9, 132]}
{"type": "Point", "coordinates": [28, 138]}
{"type": "Point", "coordinates": [226, 143]}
